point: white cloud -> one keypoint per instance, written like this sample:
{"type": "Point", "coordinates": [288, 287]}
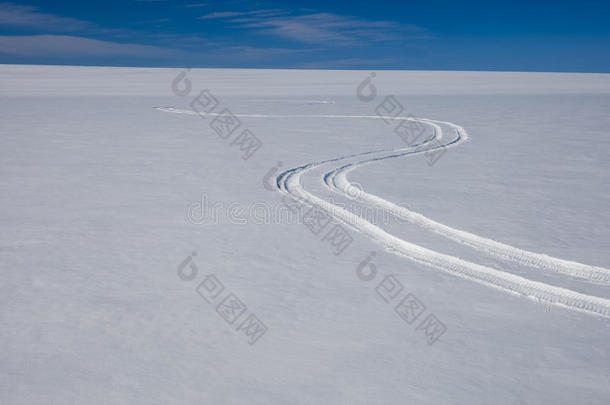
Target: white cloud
{"type": "Point", "coordinates": [229, 14]}
{"type": "Point", "coordinates": [221, 14]}
{"type": "Point", "coordinates": [66, 46]}
{"type": "Point", "coordinates": [13, 15]}
{"type": "Point", "coordinates": [327, 28]}
{"type": "Point", "coordinates": [197, 5]}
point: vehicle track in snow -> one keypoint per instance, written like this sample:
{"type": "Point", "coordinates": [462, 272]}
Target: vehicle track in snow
{"type": "Point", "coordinates": [337, 181]}
{"type": "Point", "coordinates": [289, 182]}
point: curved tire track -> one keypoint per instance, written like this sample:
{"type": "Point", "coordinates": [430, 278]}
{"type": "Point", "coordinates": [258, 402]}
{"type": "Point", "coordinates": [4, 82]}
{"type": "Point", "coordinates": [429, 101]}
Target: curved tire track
{"type": "Point", "coordinates": [337, 181]}
{"type": "Point", "coordinates": [290, 183]}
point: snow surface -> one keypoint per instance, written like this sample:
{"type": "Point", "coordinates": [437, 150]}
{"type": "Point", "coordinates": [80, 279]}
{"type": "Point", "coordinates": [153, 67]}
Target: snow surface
{"type": "Point", "coordinates": [504, 239]}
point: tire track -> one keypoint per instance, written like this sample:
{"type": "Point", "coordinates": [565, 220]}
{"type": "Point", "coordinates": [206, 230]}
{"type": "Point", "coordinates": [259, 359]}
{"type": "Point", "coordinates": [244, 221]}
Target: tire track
{"type": "Point", "coordinates": [337, 180]}
{"type": "Point", "coordinates": [289, 182]}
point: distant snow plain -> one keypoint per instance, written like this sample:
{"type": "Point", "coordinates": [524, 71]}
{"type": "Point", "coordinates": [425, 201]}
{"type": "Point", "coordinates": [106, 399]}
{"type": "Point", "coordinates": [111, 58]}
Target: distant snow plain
{"type": "Point", "coordinates": [150, 252]}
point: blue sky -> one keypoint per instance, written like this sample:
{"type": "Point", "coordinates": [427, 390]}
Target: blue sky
{"type": "Point", "coordinates": [558, 36]}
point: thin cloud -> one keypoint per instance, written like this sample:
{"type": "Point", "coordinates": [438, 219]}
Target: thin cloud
{"type": "Point", "coordinates": [154, 21]}
{"type": "Point", "coordinates": [328, 28]}
{"type": "Point", "coordinates": [229, 14]}
{"type": "Point", "coordinates": [43, 35]}
{"type": "Point", "coordinates": [224, 3]}
{"type": "Point", "coordinates": [68, 46]}
{"type": "Point", "coordinates": [13, 15]}
{"type": "Point", "coordinates": [222, 14]}
{"type": "Point", "coordinates": [250, 52]}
